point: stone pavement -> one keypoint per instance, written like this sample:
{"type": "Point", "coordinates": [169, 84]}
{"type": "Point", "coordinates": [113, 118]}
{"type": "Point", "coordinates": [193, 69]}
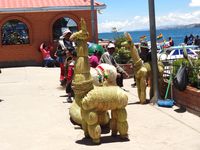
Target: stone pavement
{"type": "Point", "coordinates": [34, 116]}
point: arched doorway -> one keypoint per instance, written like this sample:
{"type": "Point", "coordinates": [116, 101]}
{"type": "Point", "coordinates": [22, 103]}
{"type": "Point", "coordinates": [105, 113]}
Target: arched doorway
{"type": "Point", "coordinates": [60, 26]}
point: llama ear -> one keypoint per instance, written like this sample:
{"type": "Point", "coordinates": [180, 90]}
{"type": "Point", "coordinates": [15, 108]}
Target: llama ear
{"type": "Point", "coordinates": [128, 36]}
{"type": "Point", "coordinates": [83, 25]}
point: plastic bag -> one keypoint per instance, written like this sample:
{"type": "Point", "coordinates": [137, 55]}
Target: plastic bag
{"type": "Point", "coordinates": [181, 79]}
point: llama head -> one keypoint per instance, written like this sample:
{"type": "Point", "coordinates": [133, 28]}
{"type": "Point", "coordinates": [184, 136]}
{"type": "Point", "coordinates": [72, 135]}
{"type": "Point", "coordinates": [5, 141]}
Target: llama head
{"type": "Point", "coordinates": [128, 43]}
{"type": "Point", "coordinates": [81, 34]}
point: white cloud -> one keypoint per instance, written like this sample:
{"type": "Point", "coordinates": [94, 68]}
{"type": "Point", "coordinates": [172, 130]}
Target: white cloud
{"type": "Point", "coordinates": [194, 3]}
{"type": "Point", "coordinates": [179, 19]}
{"type": "Point", "coordinates": [135, 23]}
{"type": "Point", "coordinates": [142, 22]}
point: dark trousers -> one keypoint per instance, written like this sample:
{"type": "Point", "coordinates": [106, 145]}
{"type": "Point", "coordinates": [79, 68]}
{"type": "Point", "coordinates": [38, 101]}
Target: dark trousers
{"type": "Point", "coordinates": [119, 80]}
{"type": "Point", "coordinates": [69, 89]}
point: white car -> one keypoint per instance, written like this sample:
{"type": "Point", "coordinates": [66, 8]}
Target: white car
{"type": "Point", "coordinates": [176, 53]}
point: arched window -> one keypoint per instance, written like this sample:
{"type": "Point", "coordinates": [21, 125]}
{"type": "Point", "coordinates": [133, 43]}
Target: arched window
{"type": "Point", "coordinates": [14, 32]}
{"type": "Point", "coordinates": [60, 26]}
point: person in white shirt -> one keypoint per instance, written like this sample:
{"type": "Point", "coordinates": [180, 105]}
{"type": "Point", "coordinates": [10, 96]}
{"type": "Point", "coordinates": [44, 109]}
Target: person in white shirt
{"type": "Point", "coordinates": [108, 58]}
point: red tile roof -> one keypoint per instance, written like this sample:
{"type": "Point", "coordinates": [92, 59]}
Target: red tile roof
{"type": "Point", "coordinates": [42, 5]}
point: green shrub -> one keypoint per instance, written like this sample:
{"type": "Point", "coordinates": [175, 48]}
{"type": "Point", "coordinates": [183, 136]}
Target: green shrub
{"type": "Point", "coordinates": [122, 55]}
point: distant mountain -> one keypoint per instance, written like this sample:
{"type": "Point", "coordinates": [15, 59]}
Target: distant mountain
{"type": "Point", "coordinates": [194, 25]}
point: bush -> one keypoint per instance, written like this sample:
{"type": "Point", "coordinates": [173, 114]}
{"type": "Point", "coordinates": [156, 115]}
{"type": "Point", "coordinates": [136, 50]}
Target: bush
{"type": "Point", "coordinates": [122, 55]}
{"type": "Point", "coordinates": [193, 71]}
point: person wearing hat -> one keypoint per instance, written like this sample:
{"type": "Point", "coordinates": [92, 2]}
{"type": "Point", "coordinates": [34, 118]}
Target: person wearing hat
{"type": "Point", "coordinates": [145, 53]}
{"type": "Point", "coordinates": [67, 47]}
{"type": "Point", "coordinates": [64, 41]}
{"type": "Point", "coordinates": [108, 58]}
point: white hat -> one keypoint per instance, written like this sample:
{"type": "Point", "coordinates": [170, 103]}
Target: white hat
{"type": "Point", "coordinates": [66, 32]}
{"type": "Point", "coordinates": [111, 45]}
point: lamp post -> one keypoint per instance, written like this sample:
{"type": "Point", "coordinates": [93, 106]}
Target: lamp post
{"type": "Point", "coordinates": [93, 22]}
{"type": "Point", "coordinates": [153, 50]}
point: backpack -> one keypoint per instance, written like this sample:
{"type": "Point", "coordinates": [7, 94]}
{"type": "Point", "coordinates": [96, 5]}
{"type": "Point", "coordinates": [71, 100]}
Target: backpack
{"type": "Point", "coordinates": [181, 79]}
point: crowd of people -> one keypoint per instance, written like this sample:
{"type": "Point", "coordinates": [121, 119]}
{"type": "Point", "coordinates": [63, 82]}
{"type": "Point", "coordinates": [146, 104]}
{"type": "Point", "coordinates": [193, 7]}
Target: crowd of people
{"type": "Point", "coordinates": [66, 55]}
{"type": "Point", "coordinates": [192, 40]}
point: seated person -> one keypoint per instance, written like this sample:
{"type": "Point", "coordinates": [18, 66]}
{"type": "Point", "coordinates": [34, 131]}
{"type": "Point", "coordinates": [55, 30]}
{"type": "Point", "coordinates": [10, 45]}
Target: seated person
{"type": "Point", "coordinates": [108, 58]}
{"type": "Point", "coordinates": [48, 61]}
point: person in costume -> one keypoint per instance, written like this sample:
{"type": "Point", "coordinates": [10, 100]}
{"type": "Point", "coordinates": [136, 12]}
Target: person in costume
{"type": "Point", "coordinates": [65, 47]}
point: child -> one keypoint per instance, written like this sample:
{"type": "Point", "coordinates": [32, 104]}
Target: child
{"type": "Point", "coordinates": [70, 73]}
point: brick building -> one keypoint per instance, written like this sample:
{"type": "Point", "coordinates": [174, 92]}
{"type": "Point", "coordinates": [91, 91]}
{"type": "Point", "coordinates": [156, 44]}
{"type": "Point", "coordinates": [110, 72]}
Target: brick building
{"type": "Point", "coordinates": [25, 24]}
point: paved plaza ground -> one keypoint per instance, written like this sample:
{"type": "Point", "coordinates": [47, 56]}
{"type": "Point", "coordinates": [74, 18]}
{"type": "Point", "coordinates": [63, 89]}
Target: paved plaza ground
{"type": "Point", "coordinates": [34, 116]}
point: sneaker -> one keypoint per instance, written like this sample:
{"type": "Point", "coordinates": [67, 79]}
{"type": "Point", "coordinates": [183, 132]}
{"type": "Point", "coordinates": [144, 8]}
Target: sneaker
{"type": "Point", "coordinates": [69, 100]}
{"type": "Point", "coordinates": [133, 85]}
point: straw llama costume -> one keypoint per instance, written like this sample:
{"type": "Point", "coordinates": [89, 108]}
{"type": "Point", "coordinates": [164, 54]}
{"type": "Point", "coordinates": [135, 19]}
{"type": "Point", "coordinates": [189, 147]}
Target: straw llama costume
{"type": "Point", "coordinates": [92, 103]}
{"type": "Point", "coordinates": [142, 70]}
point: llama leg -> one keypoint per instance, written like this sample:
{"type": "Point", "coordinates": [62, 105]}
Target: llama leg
{"type": "Point", "coordinates": [113, 122]}
{"type": "Point", "coordinates": [94, 128]}
{"type": "Point", "coordinates": [122, 124]}
{"type": "Point", "coordinates": [95, 132]}
{"type": "Point", "coordinates": [84, 123]}
{"type": "Point", "coordinates": [141, 75]}
{"type": "Point", "coordinates": [143, 90]}
{"type": "Point", "coordinates": [138, 87]}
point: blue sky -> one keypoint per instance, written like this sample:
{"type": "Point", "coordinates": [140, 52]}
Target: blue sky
{"type": "Point", "coordinates": [130, 15]}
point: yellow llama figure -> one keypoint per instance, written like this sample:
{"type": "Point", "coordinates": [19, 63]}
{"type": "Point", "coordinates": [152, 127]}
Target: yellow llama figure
{"type": "Point", "coordinates": [142, 70]}
{"type": "Point", "coordinates": [91, 105]}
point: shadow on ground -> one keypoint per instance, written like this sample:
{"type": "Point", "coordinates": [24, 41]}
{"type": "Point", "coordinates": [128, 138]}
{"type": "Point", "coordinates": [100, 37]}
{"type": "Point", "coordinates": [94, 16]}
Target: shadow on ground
{"type": "Point", "coordinates": [180, 110]}
{"type": "Point", "coordinates": [60, 87]}
{"type": "Point", "coordinates": [104, 140]}
{"type": "Point", "coordinates": [138, 103]}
